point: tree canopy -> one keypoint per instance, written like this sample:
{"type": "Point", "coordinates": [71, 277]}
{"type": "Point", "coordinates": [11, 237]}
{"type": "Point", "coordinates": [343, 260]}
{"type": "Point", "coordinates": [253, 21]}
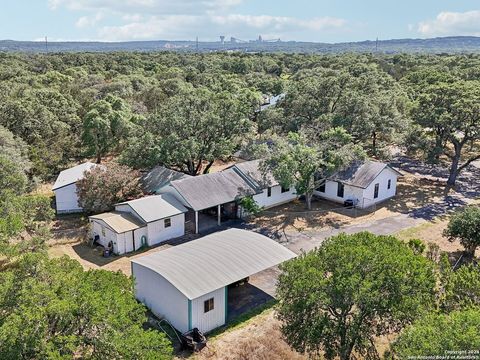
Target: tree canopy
{"type": "Point", "coordinates": [335, 299]}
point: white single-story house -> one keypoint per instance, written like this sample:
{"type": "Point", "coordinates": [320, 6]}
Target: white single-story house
{"type": "Point", "coordinates": [188, 284]}
{"type": "Point", "coordinates": [65, 188]}
{"type": "Point", "coordinates": [271, 192]}
{"type": "Point", "coordinates": [216, 193]}
{"type": "Point", "coordinates": [143, 222]}
{"type": "Point", "coordinates": [364, 183]}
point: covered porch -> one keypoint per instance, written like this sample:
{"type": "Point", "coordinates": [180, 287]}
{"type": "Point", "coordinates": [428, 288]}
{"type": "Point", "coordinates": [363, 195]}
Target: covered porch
{"type": "Point", "coordinates": [203, 221]}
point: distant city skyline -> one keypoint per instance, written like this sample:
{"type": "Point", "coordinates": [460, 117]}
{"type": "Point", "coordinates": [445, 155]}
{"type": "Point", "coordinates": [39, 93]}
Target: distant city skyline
{"type": "Point", "coordinates": [300, 20]}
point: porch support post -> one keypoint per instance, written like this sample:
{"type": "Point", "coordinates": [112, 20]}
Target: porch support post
{"type": "Point", "coordinates": [196, 222]}
{"type": "Point", "coordinates": [219, 215]}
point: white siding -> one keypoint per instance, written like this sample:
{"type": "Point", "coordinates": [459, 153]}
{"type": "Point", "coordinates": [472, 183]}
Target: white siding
{"type": "Point", "coordinates": [383, 192]}
{"type": "Point", "coordinates": [122, 243]}
{"type": "Point", "coordinates": [138, 233]}
{"type": "Point", "coordinates": [276, 198]}
{"type": "Point", "coordinates": [350, 192]}
{"type": "Point", "coordinates": [157, 232]}
{"type": "Point", "coordinates": [104, 232]}
{"type": "Point", "coordinates": [161, 297]}
{"type": "Point", "coordinates": [208, 321]}
{"type": "Point", "coordinates": [363, 196]}
{"type": "Point", "coordinates": [66, 199]}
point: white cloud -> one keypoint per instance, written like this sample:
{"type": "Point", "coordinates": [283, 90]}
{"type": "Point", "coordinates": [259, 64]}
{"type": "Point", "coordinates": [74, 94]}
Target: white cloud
{"type": "Point", "coordinates": [157, 7]}
{"type": "Point", "coordinates": [186, 19]}
{"type": "Point", "coordinates": [89, 21]}
{"type": "Point", "coordinates": [209, 26]}
{"type": "Point", "coordinates": [452, 23]}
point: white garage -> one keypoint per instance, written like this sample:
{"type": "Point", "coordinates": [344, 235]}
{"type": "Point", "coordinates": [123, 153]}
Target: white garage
{"type": "Point", "coordinates": [65, 188]}
{"type": "Point", "coordinates": [188, 284]}
{"type": "Point", "coordinates": [365, 184]}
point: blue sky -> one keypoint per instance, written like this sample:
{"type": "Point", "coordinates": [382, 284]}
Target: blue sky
{"type": "Point", "coordinates": [320, 21]}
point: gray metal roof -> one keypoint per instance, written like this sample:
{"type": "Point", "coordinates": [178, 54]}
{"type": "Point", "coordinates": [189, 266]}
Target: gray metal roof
{"type": "Point", "coordinates": [72, 175]}
{"type": "Point", "coordinates": [158, 177]}
{"type": "Point", "coordinates": [201, 266]}
{"type": "Point", "coordinates": [118, 221]}
{"type": "Point", "coordinates": [252, 171]}
{"type": "Point", "coordinates": [156, 207]}
{"type": "Point", "coordinates": [361, 174]}
{"type": "Point", "coordinates": [205, 191]}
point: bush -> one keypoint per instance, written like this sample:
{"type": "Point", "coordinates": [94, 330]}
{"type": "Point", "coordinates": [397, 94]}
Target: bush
{"type": "Point", "coordinates": [104, 186]}
{"type": "Point", "coordinates": [437, 334]}
{"type": "Point", "coordinates": [465, 226]}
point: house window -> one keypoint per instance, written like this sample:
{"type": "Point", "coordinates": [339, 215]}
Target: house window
{"type": "Point", "coordinates": [167, 223]}
{"type": "Point", "coordinates": [285, 189]}
{"type": "Point", "coordinates": [321, 188]}
{"type": "Point", "coordinates": [375, 192]}
{"type": "Point", "coordinates": [103, 231]}
{"type": "Point", "coordinates": [389, 184]}
{"type": "Point", "coordinates": [269, 191]}
{"type": "Point", "coordinates": [340, 190]}
{"type": "Point", "coordinates": [208, 305]}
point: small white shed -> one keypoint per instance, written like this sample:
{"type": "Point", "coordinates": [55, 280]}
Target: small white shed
{"type": "Point", "coordinates": [65, 188]}
{"type": "Point", "coordinates": [163, 215]}
{"type": "Point", "coordinates": [124, 231]}
{"type": "Point", "coordinates": [188, 284]}
{"type": "Point", "coordinates": [365, 184]}
{"type": "Point", "coordinates": [143, 222]}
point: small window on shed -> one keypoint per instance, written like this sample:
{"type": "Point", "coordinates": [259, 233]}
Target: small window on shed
{"type": "Point", "coordinates": [340, 190]}
{"type": "Point", "coordinates": [167, 223]}
{"type": "Point", "coordinates": [375, 191]}
{"type": "Point", "coordinates": [389, 184]}
{"type": "Point", "coordinates": [208, 305]}
{"type": "Point", "coordinates": [269, 191]}
{"type": "Point", "coordinates": [285, 189]}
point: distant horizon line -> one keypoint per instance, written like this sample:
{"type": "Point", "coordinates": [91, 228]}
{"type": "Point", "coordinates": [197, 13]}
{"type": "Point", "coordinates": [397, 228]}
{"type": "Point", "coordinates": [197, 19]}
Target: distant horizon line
{"type": "Point", "coordinates": [229, 42]}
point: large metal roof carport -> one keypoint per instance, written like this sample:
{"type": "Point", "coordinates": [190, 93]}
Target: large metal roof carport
{"type": "Point", "coordinates": [188, 283]}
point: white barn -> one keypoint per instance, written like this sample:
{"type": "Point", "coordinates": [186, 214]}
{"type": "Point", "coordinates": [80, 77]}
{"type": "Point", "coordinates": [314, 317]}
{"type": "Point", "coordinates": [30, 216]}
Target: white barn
{"type": "Point", "coordinates": [365, 184]}
{"type": "Point", "coordinates": [143, 222]}
{"type": "Point", "coordinates": [188, 284]}
{"type": "Point", "coordinates": [65, 188]}
{"type": "Point", "coordinates": [270, 193]}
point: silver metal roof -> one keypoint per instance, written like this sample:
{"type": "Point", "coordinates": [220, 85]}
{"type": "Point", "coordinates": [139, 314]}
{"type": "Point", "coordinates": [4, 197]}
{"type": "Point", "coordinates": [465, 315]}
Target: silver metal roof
{"type": "Point", "coordinates": [201, 266]}
{"type": "Point", "coordinates": [205, 191]}
{"type": "Point", "coordinates": [118, 221]}
{"type": "Point", "coordinates": [156, 207]}
{"type": "Point", "coordinates": [158, 177]}
{"type": "Point", "coordinates": [361, 174]}
{"type": "Point", "coordinates": [72, 175]}
{"type": "Point", "coordinates": [252, 171]}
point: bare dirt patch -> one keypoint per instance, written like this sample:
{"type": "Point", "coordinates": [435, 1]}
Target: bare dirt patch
{"type": "Point", "coordinates": [260, 339]}
{"type": "Point", "coordinates": [413, 192]}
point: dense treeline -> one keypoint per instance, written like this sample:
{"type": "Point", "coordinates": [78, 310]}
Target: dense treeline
{"type": "Point", "coordinates": [187, 110]}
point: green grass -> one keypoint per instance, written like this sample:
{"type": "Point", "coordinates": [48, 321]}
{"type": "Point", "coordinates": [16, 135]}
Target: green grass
{"type": "Point", "coordinates": [412, 233]}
